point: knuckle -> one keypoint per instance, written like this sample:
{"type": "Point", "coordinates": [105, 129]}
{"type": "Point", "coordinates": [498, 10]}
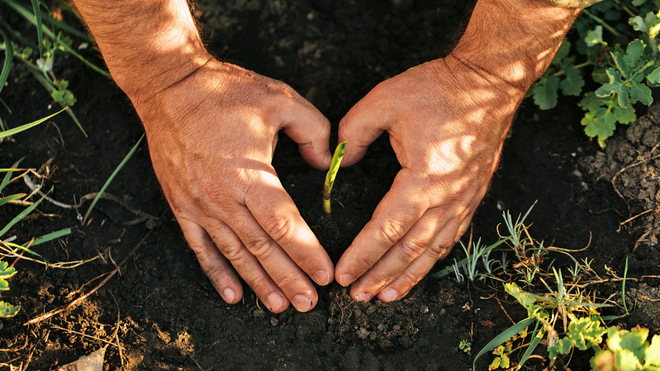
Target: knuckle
{"type": "Point", "coordinates": [412, 249]}
{"type": "Point", "coordinates": [261, 246]}
{"type": "Point", "coordinates": [408, 280]}
{"type": "Point", "coordinates": [280, 230]}
{"type": "Point", "coordinates": [391, 232]}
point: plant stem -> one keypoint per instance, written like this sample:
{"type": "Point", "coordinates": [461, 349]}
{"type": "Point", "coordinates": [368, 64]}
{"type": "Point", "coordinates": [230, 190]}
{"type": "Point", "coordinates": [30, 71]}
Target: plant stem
{"type": "Point", "coordinates": [602, 23]}
{"type": "Point", "coordinates": [332, 174]}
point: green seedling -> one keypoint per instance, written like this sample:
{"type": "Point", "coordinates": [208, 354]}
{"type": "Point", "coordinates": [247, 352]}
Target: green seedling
{"type": "Point", "coordinates": [465, 345]}
{"type": "Point", "coordinates": [6, 309]}
{"type": "Point", "coordinates": [332, 174]}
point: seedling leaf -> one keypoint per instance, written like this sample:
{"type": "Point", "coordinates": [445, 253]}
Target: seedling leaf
{"type": "Point", "coordinates": [624, 115]}
{"type": "Point", "coordinates": [599, 123]}
{"type": "Point", "coordinates": [8, 310]}
{"type": "Point", "coordinates": [573, 83]}
{"type": "Point", "coordinates": [653, 352]}
{"type": "Point", "coordinates": [654, 77]}
{"type": "Point", "coordinates": [595, 37]}
{"type": "Point", "coordinates": [545, 93]}
{"type": "Point", "coordinates": [642, 93]}
{"type": "Point", "coordinates": [5, 270]}
{"type": "Point", "coordinates": [615, 86]}
{"type": "Point", "coordinates": [332, 174]}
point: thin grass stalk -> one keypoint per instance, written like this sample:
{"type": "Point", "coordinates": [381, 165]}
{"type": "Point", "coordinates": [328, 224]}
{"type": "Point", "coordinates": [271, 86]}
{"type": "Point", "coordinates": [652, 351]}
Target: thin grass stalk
{"type": "Point", "coordinates": [14, 131]}
{"type": "Point", "coordinates": [534, 342]}
{"type": "Point", "coordinates": [110, 179]}
{"type": "Point", "coordinates": [9, 57]}
{"type": "Point", "coordinates": [20, 216]}
{"type": "Point", "coordinates": [7, 176]}
{"type": "Point", "coordinates": [623, 286]}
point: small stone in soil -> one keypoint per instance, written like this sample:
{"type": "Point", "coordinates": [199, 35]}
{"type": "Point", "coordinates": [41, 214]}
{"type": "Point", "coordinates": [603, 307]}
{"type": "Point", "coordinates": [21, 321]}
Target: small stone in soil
{"type": "Point", "coordinates": [362, 333]}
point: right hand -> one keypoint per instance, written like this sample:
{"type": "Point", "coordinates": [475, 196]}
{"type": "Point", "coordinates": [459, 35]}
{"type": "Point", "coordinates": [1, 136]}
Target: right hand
{"type": "Point", "coordinates": [211, 139]}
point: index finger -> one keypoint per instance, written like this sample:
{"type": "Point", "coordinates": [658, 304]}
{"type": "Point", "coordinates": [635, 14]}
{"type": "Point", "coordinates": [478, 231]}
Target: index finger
{"type": "Point", "coordinates": [277, 214]}
{"type": "Point", "coordinates": [397, 212]}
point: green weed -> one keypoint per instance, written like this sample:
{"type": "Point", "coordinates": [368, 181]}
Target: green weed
{"type": "Point", "coordinates": [617, 43]}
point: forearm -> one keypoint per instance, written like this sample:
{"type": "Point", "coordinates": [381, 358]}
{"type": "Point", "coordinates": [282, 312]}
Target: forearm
{"type": "Point", "coordinates": [148, 45]}
{"type": "Point", "coordinates": [513, 40]}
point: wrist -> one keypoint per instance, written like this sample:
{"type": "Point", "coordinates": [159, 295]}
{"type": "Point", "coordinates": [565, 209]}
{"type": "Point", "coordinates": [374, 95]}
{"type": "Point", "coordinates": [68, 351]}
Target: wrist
{"type": "Point", "coordinates": [148, 45]}
{"type": "Point", "coordinates": [513, 40]}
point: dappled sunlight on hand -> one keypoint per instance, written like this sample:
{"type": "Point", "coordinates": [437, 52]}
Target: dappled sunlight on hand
{"type": "Point", "coordinates": [211, 139]}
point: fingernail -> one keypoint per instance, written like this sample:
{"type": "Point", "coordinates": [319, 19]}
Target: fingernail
{"type": "Point", "coordinates": [322, 278]}
{"type": "Point", "coordinates": [346, 279]}
{"type": "Point", "coordinates": [275, 301]}
{"type": "Point", "coordinates": [302, 303]}
{"type": "Point", "coordinates": [363, 297]}
{"type": "Point", "coordinates": [389, 295]}
{"type": "Point", "coordinates": [229, 295]}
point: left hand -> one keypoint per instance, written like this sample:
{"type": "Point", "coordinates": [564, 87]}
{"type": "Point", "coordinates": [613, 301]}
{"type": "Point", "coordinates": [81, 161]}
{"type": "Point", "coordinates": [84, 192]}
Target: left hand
{"type": "Point", "coordinates": [447, 122]}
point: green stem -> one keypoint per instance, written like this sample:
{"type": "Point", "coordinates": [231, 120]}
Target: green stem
{"type": "Point", "coordinates": [577, 66]}
{"type": "Point", "coordinates": [331, 175]}
{"type": "Point", "coordinates": [602, 23]}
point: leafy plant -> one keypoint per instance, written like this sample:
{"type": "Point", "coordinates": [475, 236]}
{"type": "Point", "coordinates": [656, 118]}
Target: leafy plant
{"type": "Point", "coordinates": [628, 350]}
{"type": "Point", "coordinates": [6, 309]}
{"type": "Point", "coordinates": [465, 345]}
{"type": "Point", "coordinates": [617, 42]}
{"type": "Point", "coordinates": [332, 174]}
{"type": "Point", "coordinates": [54, 39]}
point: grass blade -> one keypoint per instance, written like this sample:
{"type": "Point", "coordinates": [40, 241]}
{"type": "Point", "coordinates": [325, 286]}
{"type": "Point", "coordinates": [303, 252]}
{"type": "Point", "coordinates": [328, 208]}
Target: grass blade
{"type": "Point", "coordinates": [112, 176]}
{"type": "Point", "coordinates": [27, 250]}
{"type": "Point", "coordinates": [532, 345]}
{"type": "Point", "coordinates": [20, 216]}
{"type": "Point", "coordinates": [51, 236]}
{"type": "Point", "coordinates": [9, 57]}
{"type": "Point", "coordinates": [4, 200]}
{"type": "Point", "coordinates": [38, 22]}
{"type": "Point", "coordinates": [503, 337]}
{"type": "Point", "coordinates": [32, 124]}
{"type": "Point", "coordinates": [332, 174]}
{"type": "Point", "coordinates": [7, 177]}
{"type": "Point", "coordinates": [623, 287]}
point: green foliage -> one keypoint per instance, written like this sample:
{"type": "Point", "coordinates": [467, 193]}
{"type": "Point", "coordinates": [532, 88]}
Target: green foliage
{"type": "Point", "coordinates": [616, 48]}
{"type": "Point", "coordinates": [332, 174]}
{"type": "Point", "coordinates": [54, 40]}
{"type": "Point", "coordinates": [583, 333]}
{"type": "Point", "coordinates": [465, 345]}
{"type": "Point", "coordinates": [6, 309]}
{"type": "Point", "coordinates": [628, 350]}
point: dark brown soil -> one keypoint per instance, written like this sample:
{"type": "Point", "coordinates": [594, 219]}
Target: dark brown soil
{"type": "Point", "coordinates": [164, 311]}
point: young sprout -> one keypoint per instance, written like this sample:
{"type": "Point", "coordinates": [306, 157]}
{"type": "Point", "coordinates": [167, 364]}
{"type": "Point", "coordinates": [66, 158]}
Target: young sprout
{"type": "Point", "coordinates": [331, 175]}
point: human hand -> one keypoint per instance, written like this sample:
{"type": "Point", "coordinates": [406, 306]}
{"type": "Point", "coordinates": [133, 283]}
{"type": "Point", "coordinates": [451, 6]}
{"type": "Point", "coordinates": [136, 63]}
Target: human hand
{"type": "Point", "coordinates": [211, 139]}
{"type": "Point", "coordinates": [447, 123]}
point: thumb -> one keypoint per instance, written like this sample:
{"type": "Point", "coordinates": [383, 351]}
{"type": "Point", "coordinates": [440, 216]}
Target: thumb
{"type": "Point", "coordinates": [311, 130]}
{"type": "Point", "coordinates": [365, 122]}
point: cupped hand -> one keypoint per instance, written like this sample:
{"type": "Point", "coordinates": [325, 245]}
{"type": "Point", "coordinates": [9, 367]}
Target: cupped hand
{"type": "Point", "coordinates": [446, 123]}
{"type": "Point", "coordinates": [211, 139]}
